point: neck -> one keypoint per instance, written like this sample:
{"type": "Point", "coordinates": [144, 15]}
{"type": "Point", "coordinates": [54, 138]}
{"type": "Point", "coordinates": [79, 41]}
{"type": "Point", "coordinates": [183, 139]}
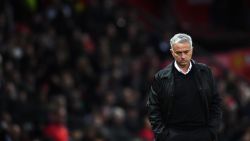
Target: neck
{"type": "Point", "coordinates": [184, 68]}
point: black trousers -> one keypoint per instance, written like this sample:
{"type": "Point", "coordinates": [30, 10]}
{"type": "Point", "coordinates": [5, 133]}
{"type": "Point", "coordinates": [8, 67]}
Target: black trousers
{"type": "Point", "coordinates": [170, 134]}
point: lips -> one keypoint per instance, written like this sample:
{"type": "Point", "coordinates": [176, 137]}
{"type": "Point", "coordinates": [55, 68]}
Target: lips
{"type": "Point", "coordinates": [183, 62]}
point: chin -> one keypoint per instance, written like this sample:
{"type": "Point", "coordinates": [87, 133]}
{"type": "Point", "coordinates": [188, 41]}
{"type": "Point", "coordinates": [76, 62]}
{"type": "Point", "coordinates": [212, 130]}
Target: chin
{"type": "Point", "coordinates": [183, 63]}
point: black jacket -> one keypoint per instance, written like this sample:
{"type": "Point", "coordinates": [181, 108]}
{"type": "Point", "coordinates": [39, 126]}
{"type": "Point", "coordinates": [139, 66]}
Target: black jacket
{"type": "Point", "coordinates": [160, 99]}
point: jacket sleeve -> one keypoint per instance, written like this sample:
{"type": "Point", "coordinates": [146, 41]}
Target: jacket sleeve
{"type": "Point", "coordinates": [153, 106]}
{"type": "Point", "coordinates": [215, 112]}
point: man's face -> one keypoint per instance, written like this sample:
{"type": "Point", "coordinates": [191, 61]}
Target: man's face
{"type": "Point", "coordinates": [182, 53]}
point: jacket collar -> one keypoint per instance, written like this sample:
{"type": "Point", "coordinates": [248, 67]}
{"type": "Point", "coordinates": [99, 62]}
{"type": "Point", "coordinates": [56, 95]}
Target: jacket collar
{"type": "Point", "coordinates": [167, 71]}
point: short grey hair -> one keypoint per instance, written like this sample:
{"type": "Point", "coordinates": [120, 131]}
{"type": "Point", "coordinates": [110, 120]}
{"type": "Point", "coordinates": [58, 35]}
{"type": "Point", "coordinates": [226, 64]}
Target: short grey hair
{"type": "Point", "coordinates": [181, 38]}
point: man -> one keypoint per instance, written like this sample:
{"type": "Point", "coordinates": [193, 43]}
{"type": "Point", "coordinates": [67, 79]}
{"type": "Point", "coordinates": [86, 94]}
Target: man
{"type": "Point", "coordinates": [183, 103]}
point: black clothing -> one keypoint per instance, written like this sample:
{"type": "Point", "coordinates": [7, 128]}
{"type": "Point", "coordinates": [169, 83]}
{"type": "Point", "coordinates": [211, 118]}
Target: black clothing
{"type": "Point", "coordinates": [187, 107]}
{"type": "Point", "coordinates": [162, 96]}
{"type": "Point", "coordinates": [198, 134]}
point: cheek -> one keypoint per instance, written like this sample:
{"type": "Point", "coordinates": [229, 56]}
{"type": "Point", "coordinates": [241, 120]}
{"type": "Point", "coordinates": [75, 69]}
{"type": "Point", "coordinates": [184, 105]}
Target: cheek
{"type": "Point", "coordinates": [190, 55]}
{"type": "Point", "coordinates": [176, 57]}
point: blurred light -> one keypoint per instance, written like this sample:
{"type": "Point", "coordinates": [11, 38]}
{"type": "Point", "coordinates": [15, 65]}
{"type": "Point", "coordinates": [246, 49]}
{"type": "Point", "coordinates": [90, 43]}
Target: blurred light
{"type": "Point", "coordinates": [17, 53]}
{"type": "Point", "coordinates": [121, 22]}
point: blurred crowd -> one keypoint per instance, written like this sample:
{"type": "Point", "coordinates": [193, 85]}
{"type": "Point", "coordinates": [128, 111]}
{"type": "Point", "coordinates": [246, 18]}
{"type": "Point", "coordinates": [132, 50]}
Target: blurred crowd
{"type": "Point", "coordinates": [79, 70]}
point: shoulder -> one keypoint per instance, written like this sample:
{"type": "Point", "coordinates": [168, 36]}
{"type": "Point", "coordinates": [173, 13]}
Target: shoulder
{"type": "Point", "coordinates": [164, 73]}
{"type": "Point", "coordinates": [203, 69]}
{"type": "Point", "coordinates": [202, 66]}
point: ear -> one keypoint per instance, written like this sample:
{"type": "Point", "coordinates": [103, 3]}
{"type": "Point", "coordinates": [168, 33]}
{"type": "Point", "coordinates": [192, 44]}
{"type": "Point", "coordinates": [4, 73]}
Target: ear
{"type": "Point", "coordinates": [172, 52]}
{"type": "Point", "coordinates": [192, 49]}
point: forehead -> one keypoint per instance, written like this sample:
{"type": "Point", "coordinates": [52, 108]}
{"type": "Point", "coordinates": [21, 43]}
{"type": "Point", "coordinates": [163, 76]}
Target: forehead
{"type": "Point", "coordinates": [181, 46]}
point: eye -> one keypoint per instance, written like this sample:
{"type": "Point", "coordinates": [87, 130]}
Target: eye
{"type": "Point", "coordinates": [186, 52]}
{"type": "Point", "coordinates": [178, 53]}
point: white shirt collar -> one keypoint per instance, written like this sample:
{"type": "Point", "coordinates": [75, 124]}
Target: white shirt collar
{"type": "Point", "coordinates": [179, 69]}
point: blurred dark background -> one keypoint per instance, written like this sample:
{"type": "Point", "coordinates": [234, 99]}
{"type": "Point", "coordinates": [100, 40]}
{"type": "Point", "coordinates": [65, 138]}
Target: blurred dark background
{"type": "Point", "coordinates": [79, 70]}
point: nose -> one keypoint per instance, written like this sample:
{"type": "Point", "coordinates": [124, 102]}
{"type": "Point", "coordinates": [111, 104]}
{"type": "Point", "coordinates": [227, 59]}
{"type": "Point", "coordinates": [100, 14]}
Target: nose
{"type": "Point", "coordinates": [183, 55]}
